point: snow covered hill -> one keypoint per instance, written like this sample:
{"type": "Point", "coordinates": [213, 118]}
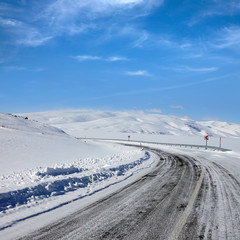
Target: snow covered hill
{"type": "Point", "coordinates": [43, 168]}
{"type": "Point", "coordinates": [93, 123]}
{"type": "Point", "coordinates": [21, 123]}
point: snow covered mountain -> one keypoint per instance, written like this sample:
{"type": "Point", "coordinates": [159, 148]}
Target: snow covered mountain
{"type": "Point", "coordinates": [102, 123]}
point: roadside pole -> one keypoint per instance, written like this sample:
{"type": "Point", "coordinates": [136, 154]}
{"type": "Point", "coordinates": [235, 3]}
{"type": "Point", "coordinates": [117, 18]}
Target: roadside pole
{"type": "Point", "coordinates": [206, 138]}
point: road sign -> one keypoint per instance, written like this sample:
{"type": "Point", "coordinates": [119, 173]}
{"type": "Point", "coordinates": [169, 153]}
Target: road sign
{"type": "Point", "coordinates": [206, 138]}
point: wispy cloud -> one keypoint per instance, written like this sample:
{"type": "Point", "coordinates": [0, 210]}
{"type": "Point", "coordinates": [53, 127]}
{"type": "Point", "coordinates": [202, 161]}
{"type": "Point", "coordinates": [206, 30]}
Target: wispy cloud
{"type": "Point", "coordinates": [177, 107]}
{"type": "Point", "coordinates": [34, 39]}
{"type": "Point", "coordinates": [87, 58]}
{"type": "Point", "coordinates": [228, 38]}
{"type": "Point", "coordinates": [115, 59]}
{"type": "Point", "coordinates": [138, 37]}
{"type": "Point", "coordinates": [138, 73]}
{"type": "Point", "coordinates": [48, 20]}
{"type": "Point", "coordinates": [82, 58]}
{"type": "Point", "coordinates": [142, 38]}
{"type": "Point", "coordinates": [217, 8]}
{"type": "Point", "coordinates": [71, 8]}
{"type": "Point", "coordinates": [191, 69]}
{"type": "Point", "coordinates": [24, 33]}
{"type": "Point", "coordinates": [77, 15]}
{"type": "Point", "coordinates": [8, 22]}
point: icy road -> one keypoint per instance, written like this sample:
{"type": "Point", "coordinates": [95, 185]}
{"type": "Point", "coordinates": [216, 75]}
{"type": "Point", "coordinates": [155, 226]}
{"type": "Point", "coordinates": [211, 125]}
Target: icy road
{"type": "Point", "coordinates": [183, 198]}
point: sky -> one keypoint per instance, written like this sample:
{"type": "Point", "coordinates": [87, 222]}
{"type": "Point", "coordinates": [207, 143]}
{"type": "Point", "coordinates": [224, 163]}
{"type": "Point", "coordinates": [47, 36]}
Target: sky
{"type": "Point", "coordinates": [169, 56]}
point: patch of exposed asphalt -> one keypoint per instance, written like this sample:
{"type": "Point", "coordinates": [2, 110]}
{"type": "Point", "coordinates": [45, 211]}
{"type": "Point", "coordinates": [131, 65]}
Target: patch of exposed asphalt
{"type": "Point", "coordinates": [181, 199]}
{"type": "Point", "coordinates": [147, 209]}
{"type": "Point", "coordinates": [216, 212]}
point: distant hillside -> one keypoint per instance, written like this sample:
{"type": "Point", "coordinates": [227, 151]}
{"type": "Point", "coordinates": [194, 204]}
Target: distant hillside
{"type": "Point", "coordinates": [78, 122]}
{"type": "Point", "coordinates": [22, 123]}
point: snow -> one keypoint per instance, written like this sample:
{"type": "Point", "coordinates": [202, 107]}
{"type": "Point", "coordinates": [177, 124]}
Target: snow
{"type": "Point", "coordinates": [47, 171]}
{"type": "Point", "coordinates": [16, 122]}
{"type": "Point", "coordinates": [43, 168]}
{"type": "Point", "coordinates": [96, 123]}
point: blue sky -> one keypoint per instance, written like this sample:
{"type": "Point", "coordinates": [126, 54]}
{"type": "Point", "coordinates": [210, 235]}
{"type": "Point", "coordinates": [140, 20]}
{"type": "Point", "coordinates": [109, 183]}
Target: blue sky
{"type": "Point", "coordinates": [178, 57]}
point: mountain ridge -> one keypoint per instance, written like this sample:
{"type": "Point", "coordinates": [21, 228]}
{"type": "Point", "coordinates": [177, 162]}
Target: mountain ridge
{"type": "Point", "coordinates": [140, 122]}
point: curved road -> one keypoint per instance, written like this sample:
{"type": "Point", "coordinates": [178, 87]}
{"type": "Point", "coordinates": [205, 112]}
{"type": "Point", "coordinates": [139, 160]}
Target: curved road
{"type": "Point", "coordinates": [182, 198]}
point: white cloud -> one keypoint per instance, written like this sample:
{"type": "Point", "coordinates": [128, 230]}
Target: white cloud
{"type": "Point", "coordinates": [9, 22]}
{"type": "Point", "coordinates": [229, 38]}
{"type": "Point", "coordinates": [97, 58]}
{"type": "Point", "coordinates": [72, 7]}
{"type": "Point", "coordinates": [219, 8]}
{"type": "Point", "coordinates": [137, 36]}
{"type": "Point", "coordinates": [177, 107]}
{"type": "Point", "coordinates": [115, 59]}
{"type": "Point", "coordinates": [25, 34]}
{"type": "Point", "coordinates": [68, 16]}
{"type": "Point", "coordinates": [34, 39]}
{"type": "Point", "coordinates": [190, 69]}
{"type": "Point", "coordinates": [138, 73]}
{"type": "Point", "coordinates": [87, 58]}
{"type": "Point", "coordinates": [142, 38]}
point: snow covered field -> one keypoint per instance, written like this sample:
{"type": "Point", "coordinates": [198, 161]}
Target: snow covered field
{"type": "Point", "coordinates": [45, 169]}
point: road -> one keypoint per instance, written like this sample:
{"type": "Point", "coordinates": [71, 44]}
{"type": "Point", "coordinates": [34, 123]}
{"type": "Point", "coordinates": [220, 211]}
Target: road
{"type": "Point", "coordinates": [183, 198]}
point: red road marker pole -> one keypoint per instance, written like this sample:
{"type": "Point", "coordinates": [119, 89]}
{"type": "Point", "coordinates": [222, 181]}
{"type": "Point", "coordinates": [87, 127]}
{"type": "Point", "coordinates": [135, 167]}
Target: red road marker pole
{"type": "Point", "coordinates": [206, 137]}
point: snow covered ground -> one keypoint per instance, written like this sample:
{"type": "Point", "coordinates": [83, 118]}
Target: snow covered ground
{"type": "Point", "coordinates": [45, 169]}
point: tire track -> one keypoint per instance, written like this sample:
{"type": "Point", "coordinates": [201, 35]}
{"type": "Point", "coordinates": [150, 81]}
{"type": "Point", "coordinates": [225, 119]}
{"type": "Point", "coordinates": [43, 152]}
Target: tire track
{"type": "Point", "coordinates": [147, 209]}
{"type": "Point", "coordinates": [216, 212]}
{"type": "Point", "coordinates": [188, 209]}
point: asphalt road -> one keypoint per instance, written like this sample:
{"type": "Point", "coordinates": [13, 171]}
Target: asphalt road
{"type": "Point", "coordinates": [183, 198]}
